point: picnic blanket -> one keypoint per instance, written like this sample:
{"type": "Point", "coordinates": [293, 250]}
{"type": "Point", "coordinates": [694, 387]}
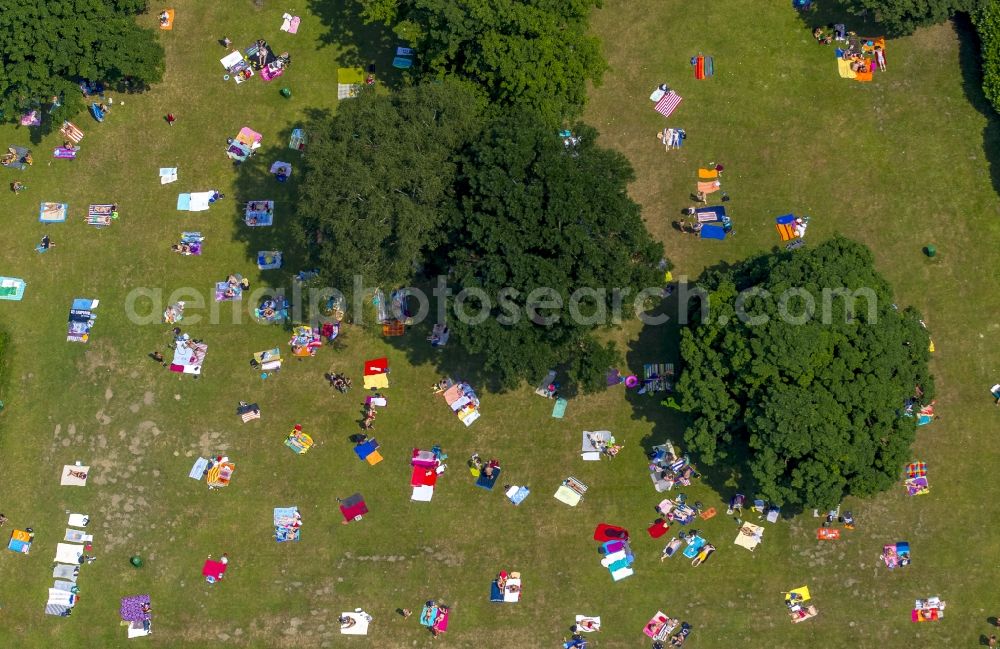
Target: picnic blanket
{"type": "Point", "coordinates": [74, 476]}
{"type": "Point", "coordinates": [290, 24]}
{"type": "Point", "coordinates": [844, 68]}
{"type": "Point", "coordinates": [353, 507]}
{"type": "Point", "coordinates": [68, 553]}
{"type": "Point", "coordinates": [78, 520]}
{"type": "Point", "coordinates": [65, 153]}
{"type": "Point", "coordinates": [709, 186]}
{"type": "Point", "coordinates": [213, 570]}
{"type": "Point", "coordinates": [169, 23]}
{"type": "Point", "coordinates": [422, 493]}
{"type": "Point", "coordinates": [220, 474]}
{"type": "Point", "coordinates": [268, 259]}
{"type": "Point", "coordinates": [916, 479]}
{"type": "Point", "coordinates": [188, 357]}
{"type": "Point", "coordinates": [287, 524]}
{"type": "Point", "coordinates": [361, 620]}
{"type": "Point", "coordinates": [659, 626]}
{"type": "Point", "coordinates": [668, 103]}
{"type": "Point", "coordinates": [570, 491]}
{"type": "Point", "coordinates": [281, 166]}
{"type": "Point", "coordinates": [516, 494]}
{"type": "Point", "coordinates": [131, 608]}
{"type": "Point", "coordinates": [31, 118]}
{"type": "Point", "coordinates": [77, 536]}
{"type": "Point", "coordinates": [749, 536]}
{"type": "Point", "coordinates": [12, 288]}
{"type": "Point", "coordinates": [197, 471]}
{"type": "Point", "coordinates": [349, 82]}
{"type": "Point", "coordinates": [248, 412]}
{"type": "Point", "coordinates": [71, 132]}
{"type": "Point", "coordinates": [168, 175]}
{"type": "Point", "coordinates": [259, 213]}
{"type": "Point", "coordinates": [52, 212]}
{"type": "Point", "coordinates": [592, 444]}
{"type": "Point", "coordinates": [100, 215]}
{"type": "Point", "coordinates": [299, 441]}
{"type": "Point", "coordinates": [297, 141]}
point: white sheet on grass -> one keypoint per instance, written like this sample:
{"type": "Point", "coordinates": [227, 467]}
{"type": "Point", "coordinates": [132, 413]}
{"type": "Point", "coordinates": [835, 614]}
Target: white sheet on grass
{"type": "Point", "coordinates": [360, 626]}
{"type": "Point", "coordinates": [78, 520]}
{"type": "Point", "coordinates": [423, 493]}
{"type": "Point", "coordinates": [589, 451]}
{"type": "Point", "coordinates": [68, 553]}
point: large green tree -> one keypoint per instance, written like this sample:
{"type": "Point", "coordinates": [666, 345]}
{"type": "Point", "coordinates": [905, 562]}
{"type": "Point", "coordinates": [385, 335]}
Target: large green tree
{"type": "Point", "coordinates": [543, 224]}
{"type": "Point", "coordinates": [900, 17]}
{"type": "Point", "coordinates": [379, 180]}
{"type": "Point", "coordinates": [535, 52]}
{"type": "Point", "coordinates": [46, 48]}
{"type": "Point", "coordinates": [810, 404]}
{"type": "Point", "coordinates": [987, 21]}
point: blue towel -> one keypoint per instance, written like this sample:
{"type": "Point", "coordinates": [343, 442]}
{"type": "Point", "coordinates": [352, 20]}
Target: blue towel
{"type": "Point", "coordinates": [184, 202]}
{"type": "Point", "coordinates": [487, 482]}
{"type": "Point", "coordinates": [496, 595]}
{"type": "Point", "coordinates": [366, 449]}
{"type": "Point", "coordinates": [712, 231]}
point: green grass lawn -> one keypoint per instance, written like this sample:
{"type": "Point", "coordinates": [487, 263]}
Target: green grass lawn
{"type": "Point", "coordinates": [905, 161]}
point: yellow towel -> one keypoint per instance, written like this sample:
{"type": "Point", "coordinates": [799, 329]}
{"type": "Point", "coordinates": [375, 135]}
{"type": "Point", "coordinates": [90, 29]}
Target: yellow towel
{"type": "Point", "coordinates": [844, 68]}
{"type": "Point", "coordinates": [708, 174]}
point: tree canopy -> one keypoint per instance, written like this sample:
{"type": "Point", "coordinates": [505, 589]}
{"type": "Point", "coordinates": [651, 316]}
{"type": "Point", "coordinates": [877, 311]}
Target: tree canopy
{"type": "Point", "coordinates": [812, 408]}
{"type": "Point", "coordinates": [540, 222]}
{"type": "Point", "coordinates": [379, 181]}
{"type": "Point", "coordinates": [532, 52]}
{"type": "Point", "coordinates": [901, 17]}
{"type": "Point", "coordinates": [987, 21]}
{"type": "Point", "coordinates": [48, 47]}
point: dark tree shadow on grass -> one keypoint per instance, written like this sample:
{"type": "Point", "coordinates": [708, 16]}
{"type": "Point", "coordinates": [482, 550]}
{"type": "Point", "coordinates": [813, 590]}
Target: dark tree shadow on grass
{"type": "Point", "coordinates": [451, 360]}
{"type": "Point", "coordinates": [970, 62]}
{"type": "Point", "coordinates": [661, 344]}
{"type": "Point", "coordinates": [827, 13]}
{"type": "Point", "coordinates": [362, 44]}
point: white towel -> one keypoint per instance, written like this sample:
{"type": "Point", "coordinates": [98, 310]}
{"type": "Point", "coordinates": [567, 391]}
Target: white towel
{"type": "Point", "coordinates": [78, 520]}
{"type": "Point", "coordinates": [423, 493]}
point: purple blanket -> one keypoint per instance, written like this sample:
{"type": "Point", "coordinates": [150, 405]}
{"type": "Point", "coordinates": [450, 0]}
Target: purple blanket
{"type": "Point", "coordinates": [132, 608]}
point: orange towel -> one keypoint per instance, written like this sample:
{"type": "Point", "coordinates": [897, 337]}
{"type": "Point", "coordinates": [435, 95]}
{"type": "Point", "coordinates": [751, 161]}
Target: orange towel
{"type": "Point", "coordinates": [785, 231]}
{"type": "Point", "coordinates": [708, 174]}
{"type": "Point", "coordinates": [170, 20]}
{"type": "Point", "coordinates": [863, 76]}
{"type": "Point", "coordinates": [708, 513]}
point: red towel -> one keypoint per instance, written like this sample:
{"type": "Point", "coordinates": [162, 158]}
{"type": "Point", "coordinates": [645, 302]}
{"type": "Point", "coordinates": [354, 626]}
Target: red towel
{"type": "Point", "coordinates": [658, 529]}
{"type": "Point", "coordinates": [422, 477]}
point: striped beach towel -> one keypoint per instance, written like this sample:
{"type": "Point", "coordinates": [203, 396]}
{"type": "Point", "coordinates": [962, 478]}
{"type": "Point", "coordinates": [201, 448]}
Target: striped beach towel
{"type": "Point", "coordinates": [667, 103]}
{"type": "Point", "coordinates": [250, 415]}
{"type": "Point", "coordinates": [71, 132]}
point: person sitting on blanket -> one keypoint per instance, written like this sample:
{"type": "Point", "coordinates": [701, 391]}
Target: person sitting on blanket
{"type": "Point", "coordinates": [164, 17]}
{"type": "Point", "coordinates": [346, 621]}
{"type": "Point", "coordinates": [17, 187]}
{"type": "Point", "coordinates": [230, 292]}
{"type": "Point", "coordinates": [491, 468]}
{"type": "Point", "coordinates": [232, 280]}
{"type": "Point", "coordinates": [502, 579]}
{"type": "Point", "coordinates": [46, 243]}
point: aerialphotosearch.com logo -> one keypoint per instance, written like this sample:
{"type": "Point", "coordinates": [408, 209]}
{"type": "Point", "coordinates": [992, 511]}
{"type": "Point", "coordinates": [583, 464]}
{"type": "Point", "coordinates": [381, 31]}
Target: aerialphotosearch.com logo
{"type": "Point", "coordinates": [543, 306]}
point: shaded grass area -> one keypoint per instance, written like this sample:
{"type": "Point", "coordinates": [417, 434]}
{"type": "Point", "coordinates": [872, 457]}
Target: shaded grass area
{"type": "Point", "coordinates": [898, 164]}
